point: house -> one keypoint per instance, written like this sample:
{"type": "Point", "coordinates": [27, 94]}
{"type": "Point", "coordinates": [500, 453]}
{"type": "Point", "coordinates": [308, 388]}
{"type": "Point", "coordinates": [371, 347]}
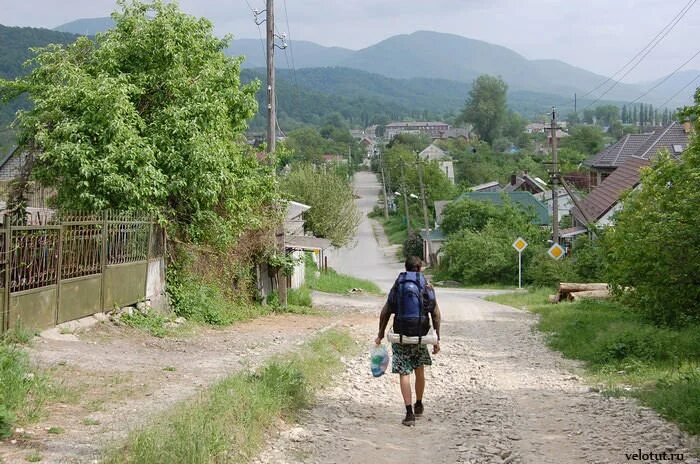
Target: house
{"type": "Point", "coordinates": [600, 205]}
{"type": "Point", "coordinates": [672, 138]}
{"type": "Point", "coordinates": [525, 183]}
{"type": "Point", "coordinates": [435, 153]}
{"type": "Point", "coordinates": [457, 133]}
{"type": "Point", "coordinates": [296, 243]}
{"type": "Point", "coordinates": [525, 200]}
{"type": "Point", "coordinates": [535, 128]}
{"type": "Point", "coordinates": [435, 239]}
{"type": "Point", "coordinates": [492, 186]}
{"type": "Point", "coordinates": [564, 201]}
{"type": "Point", "coordinates": [430, 128]}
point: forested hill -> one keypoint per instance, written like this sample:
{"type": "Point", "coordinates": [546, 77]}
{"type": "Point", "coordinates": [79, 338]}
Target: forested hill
{"type": "Point", "coordinates": [15, 43]}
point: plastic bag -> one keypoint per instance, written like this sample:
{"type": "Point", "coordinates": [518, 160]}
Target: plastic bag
{"type": "Point", "coordinates": [379, 360]}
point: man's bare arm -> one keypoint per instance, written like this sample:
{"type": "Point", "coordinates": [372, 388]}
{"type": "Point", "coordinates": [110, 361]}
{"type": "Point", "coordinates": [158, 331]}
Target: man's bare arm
{"type": "Point", "coordinates": [384, 317]}
{"type": "Point", "coordinates": [435, 315]}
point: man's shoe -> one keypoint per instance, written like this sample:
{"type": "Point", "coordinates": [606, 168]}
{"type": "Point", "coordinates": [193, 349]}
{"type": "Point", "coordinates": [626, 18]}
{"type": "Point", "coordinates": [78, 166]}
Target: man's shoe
{"type": "Point", "coordinates": [418, 409]}
{"type": "Point", "coordinates": [409, 420]}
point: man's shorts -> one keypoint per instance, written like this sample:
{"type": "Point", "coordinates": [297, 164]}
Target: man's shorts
{"type": "Point", "coordinates": [409, 357]}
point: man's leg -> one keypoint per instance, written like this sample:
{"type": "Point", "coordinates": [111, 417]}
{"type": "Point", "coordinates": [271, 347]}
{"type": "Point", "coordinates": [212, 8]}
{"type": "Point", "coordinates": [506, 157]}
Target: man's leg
{"type": "Point", "coordinates": [405, 381]}
{"type": "Point", "coordinates": [420, 383]}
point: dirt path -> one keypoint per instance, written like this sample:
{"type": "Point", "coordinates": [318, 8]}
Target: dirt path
{"type": "Point", "coordinates": [114, 378]}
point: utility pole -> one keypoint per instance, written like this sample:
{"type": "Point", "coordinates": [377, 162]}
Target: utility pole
{"type": "Point", "coordinates": [405, 198]}
{"type": "Point", "coordinates": [425, 209]}
{"type": "Point", "coordinates": [272, 134]}
{"type": "Point", "coordinates": [555, 180]}
{"type": "Point", "coordinates": [386, 200]}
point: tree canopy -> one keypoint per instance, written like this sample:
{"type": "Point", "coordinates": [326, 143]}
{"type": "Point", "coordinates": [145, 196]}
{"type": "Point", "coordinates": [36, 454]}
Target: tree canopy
{"type": "Point", "coordinates": [486, 107]}
{"type": "Point", "coordinates": [148, 116]}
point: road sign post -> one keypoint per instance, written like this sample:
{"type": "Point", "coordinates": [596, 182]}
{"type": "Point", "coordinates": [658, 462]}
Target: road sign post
{"type": "Point", "coordinates": [520, 244]}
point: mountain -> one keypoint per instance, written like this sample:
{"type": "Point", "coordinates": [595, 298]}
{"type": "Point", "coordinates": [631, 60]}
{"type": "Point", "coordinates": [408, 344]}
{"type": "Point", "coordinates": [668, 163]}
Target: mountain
{"type": "Point", "coordinates": [306, 54]}
{"type": "Point", "coordinates": [447, 57]}
{"type": "Point", "coordinates": [682, 83]}
{"type": "Point", "coordinates": [86, 26]}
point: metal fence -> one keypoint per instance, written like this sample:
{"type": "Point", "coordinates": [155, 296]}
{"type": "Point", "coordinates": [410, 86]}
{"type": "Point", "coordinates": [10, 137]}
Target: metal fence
{"type": "Point", "coordinates": [74, 265]}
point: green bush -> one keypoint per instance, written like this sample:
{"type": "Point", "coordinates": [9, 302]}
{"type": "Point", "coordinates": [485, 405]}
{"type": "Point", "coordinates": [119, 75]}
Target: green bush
{"type": "Point", "coordinates": [543, 271]}
{"type": "Point", "coordinates": [413, 246]}
{"type": "Point", "coordinates": [299, 297]}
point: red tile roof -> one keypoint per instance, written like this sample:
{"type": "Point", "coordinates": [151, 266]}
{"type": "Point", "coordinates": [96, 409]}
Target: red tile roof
{"type": "Point", "coordinates": [607, 194]}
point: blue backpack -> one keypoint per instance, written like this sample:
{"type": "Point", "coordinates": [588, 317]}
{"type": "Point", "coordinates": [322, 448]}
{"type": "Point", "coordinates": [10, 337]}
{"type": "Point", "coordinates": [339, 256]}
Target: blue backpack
{"type": "Point", "coordinates": [411, 300]}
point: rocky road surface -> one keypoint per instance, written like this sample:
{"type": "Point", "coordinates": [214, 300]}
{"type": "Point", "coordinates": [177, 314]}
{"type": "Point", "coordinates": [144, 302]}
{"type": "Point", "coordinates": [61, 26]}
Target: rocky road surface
{"type": "Point", "coordinates": [495, 393]}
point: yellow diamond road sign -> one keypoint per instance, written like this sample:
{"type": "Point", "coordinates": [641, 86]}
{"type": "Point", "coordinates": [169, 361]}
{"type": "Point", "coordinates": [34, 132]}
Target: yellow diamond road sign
{"type": "Point", "coordinates": [519, 244]}
{"type": "Point", "coordinates": [556, 251]}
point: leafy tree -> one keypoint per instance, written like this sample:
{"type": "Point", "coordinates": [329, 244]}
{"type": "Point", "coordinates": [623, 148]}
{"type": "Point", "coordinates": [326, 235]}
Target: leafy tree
{"type": "Point", "coordinates": [653, 250]}
{"type": "Point", "coordinates": [486, 107]}
{"type": "Point", "coordinates": [467, 215]}
{"type": "Point", "coordinates": [584, 139]}
{"type": "Point", "coordinates": [486, 255]}
{"type": "Point", "coordinates": [147, 116]}
{"type": "Point", "coordinates": [333, 214]}
{"type": "Point", "coordinates": [607, 114]}
{"type": "Point", "coordinates": [588, 115]}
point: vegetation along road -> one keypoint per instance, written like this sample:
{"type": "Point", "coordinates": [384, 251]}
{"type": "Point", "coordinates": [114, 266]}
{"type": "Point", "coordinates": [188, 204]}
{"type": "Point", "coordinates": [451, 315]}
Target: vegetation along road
{"type": "Point", "coordinates": [494, 394]}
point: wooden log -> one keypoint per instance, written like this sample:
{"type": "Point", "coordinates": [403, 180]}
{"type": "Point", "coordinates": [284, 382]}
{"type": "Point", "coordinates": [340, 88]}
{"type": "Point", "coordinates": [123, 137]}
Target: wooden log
{"type": "Point", "coordinates": [554, 299]}
{"type": "Point", "coordinates": [590, 295]}
{"type": "Point", "coordinates": [569, 287]}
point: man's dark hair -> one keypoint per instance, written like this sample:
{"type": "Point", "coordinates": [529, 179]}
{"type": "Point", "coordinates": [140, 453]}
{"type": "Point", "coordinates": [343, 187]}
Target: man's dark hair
{"type": "Point", "coordinates": [413, 264]}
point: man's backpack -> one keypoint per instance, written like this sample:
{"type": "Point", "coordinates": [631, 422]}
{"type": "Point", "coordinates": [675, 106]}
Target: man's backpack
{"type": "Point", "coordinates": [411, 300]}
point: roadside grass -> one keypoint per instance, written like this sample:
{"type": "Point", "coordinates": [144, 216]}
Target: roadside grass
{"type": "Point", "coordinates": [624, 353]}
{"type": "Point", "coordinates": [522, 299]}
{"type": "Point", "coordinates": [229, 421]}
{"type": "Point", "coordinates": [394, 228]}
{"type": "Point", "coordinates": [23, 389]}
{"type": "Point", "coordinates": [299, 297]}
{"type": "Point", "coordinates": [331, 282]}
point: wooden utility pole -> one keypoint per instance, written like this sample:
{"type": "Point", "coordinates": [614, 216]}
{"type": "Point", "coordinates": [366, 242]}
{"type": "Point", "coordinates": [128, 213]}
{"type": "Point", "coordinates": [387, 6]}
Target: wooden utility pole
{"type": "Point", "coordinates": [425, 209]}
{"type": "Point", "coordinates": [405, 198]}
{"type": "Point", "coordinates": [271, 107]}
{"type": "Point", "coordinates": [272, 134]}
{"type": "Point", "coordinates": [555, 180]}
{"type": "Point", "coordinates": [386, 200]}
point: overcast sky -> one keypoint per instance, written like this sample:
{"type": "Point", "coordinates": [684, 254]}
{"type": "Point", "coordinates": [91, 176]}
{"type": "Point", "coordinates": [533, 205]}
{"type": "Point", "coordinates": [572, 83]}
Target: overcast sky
{"type": "Point", "coordinates": [598, 35]}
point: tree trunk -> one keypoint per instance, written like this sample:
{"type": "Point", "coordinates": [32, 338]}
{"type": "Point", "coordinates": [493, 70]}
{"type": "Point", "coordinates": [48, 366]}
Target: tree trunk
{"type": "Point", "coordinates": [590, 295]}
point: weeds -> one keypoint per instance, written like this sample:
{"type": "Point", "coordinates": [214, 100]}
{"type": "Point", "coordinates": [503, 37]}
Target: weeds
{"type": "Point", "coordinates": [331, 282]}
{"type": "Point", "coordinates": [228, 422]}
{"type": "Point", "coordinates": [55, 430]}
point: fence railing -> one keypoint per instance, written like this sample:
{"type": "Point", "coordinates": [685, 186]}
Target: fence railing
{"type": "Point", "coordinates": [74, 265]}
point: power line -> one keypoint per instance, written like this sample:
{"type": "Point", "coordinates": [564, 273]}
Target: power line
{"type": "Point", "coordinates": [667, 77]}
{"type": "Point", "coordinates": [679, 91]}
{"type": "Point", "coordinates": [667, 30]}
{"type": "Point", "coordinates": [640, 55]}
{"type": "Point", "coordinates": [291, 49]}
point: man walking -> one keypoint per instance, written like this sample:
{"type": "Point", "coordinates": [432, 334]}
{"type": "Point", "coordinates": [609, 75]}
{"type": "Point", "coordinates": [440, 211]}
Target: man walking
{"type": "Point", "coordinates": [411, 300]}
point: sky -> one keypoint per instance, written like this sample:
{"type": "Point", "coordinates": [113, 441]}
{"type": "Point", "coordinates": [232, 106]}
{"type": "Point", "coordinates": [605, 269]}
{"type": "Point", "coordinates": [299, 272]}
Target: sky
{"type": "Point", "coordinates": [598, 35]}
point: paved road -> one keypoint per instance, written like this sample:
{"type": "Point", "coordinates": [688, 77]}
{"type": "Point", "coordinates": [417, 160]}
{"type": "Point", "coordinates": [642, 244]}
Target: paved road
{"type": "Point", "coordinates": [495, 394]}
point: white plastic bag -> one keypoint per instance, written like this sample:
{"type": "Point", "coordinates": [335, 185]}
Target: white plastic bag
{"type": "Point", "coordinates": [379, 359]}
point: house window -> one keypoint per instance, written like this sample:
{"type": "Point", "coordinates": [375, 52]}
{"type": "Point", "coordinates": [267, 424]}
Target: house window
{"type": "Point", "coordinates": [678, 149]}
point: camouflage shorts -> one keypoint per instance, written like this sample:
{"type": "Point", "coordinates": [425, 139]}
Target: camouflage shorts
{"type": "Point", "coordinates": [406, 358]}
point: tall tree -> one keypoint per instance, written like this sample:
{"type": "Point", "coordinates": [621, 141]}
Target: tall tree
{"type": "Point", "coordinates": [148, 115]}
{"type": "Point", "coordinates": [486, 107]}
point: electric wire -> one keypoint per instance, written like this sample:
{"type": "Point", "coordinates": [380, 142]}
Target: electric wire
{"type": "Point", "coordinates": [639, 57]}
{"type": "Point", "coordinates": [666, 78]}
{"type": "Point", "coordinates": [680, 90]}
{"type": "Point", "coordinates": [674, 22]}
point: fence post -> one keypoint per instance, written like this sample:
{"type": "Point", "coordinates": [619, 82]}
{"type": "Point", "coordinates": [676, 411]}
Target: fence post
{"type": "Point", "coordinates": [103, 260]}
{"type": "Point", "coordinates": [8, 267]}
{"type": "Point", "coordinates": [59, 269]}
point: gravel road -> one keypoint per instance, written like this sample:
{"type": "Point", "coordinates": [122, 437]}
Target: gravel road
{"type": "Point", "coordinates": [495, 394]}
